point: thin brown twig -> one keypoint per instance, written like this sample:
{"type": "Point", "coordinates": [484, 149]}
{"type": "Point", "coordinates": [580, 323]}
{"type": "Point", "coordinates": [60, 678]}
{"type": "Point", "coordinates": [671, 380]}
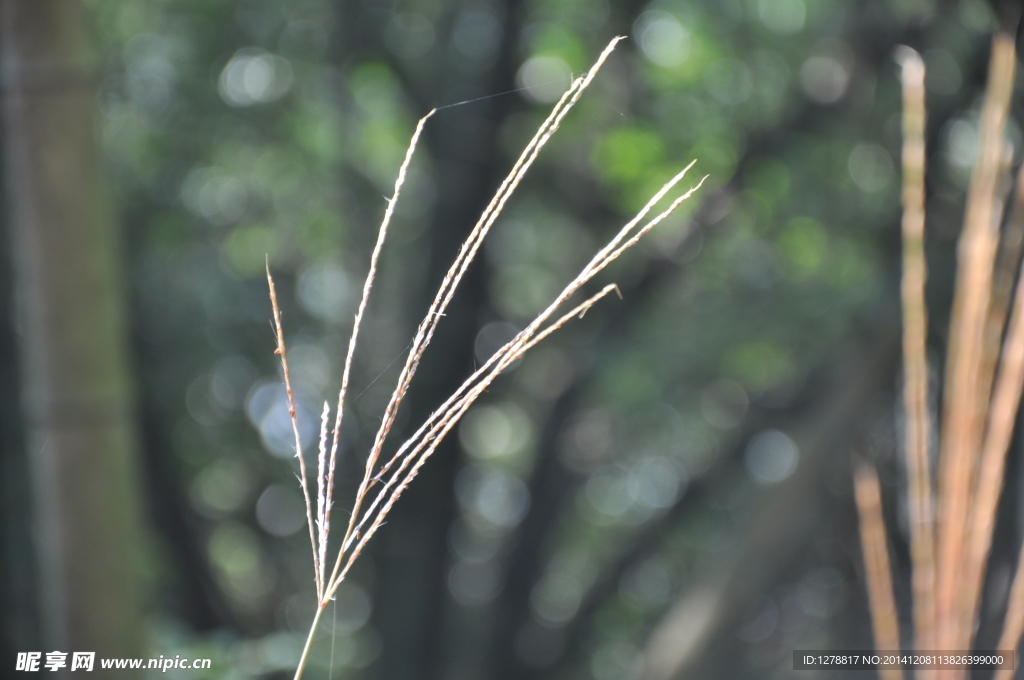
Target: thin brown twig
{"type": "Point", "coordinates": [876, 564]}
{"type": "Point", "coordinates": [915, 339]}
{"type": "Point", "coordinates": [965, 405]}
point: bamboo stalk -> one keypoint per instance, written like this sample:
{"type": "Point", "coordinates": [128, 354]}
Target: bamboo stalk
{"type": "Point", "coordinates": [1001, 422]}
{"type": "Point", "coordinates": [1003, 279]}
{"type": "Point", "coordinates": [915, 363]}
{"type": "Point", "coordinates": [965, 406]}
{"type": "Point", "coordinates": [876, 565]}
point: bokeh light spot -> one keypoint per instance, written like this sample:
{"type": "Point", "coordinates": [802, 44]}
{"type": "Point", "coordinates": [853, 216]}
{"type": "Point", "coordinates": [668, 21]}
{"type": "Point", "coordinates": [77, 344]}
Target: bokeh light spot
{"type": "Point", "coordinates": [771, 456]}
{"type": "Point", "coordinates": [870, 167]}
{"type": "Point", "coordinates": [254, 76]}
{"type": "Point", "coordinates": [280, 511]}
{"type": "Point", "coordinates": [544, 78]}
{"type": "Point", "coordinates": [664, 41]}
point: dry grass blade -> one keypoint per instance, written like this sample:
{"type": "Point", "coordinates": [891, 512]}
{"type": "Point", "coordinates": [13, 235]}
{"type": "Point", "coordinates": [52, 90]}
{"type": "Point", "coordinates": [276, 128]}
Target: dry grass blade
{"type": "Point", "coordinates": [283, 352]}
{"type": "Point", "coordinates": [915, 337]}
{"type": "Point", "coordinates": [965, 405]}
{"type": "Point", "coordinates": [876, 564]}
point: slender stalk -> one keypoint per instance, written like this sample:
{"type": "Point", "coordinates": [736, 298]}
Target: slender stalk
{"type": "Point", "coordinates": [357, 322]}
{"type": "Point", "coordinates": [876, 564]}
{"type": "Point", "coordinates": [1004, 272]}
{"type": "Point", "coordinates": [425, 332]}
{"type": "Point", "coordinates": [413, 454]}
{"type": "Point", "coordinates": [279, 336]}
{"type": "Point", "coordinates": [1001, 421]}
{"type": "Point", "coordinates": [475, 239]}
{"type": "Point", "coordinates": [450, 418]}
{"type": "Point", "coordinates": [915, 338]}
{"type": "Point", "coordinates": [1010, 249]}
{"type": "Point", "coordinates": [1009, 259]}
{"type": "Point", "coordinates": [323, 500]}
{"type": "Point", "coordinates": [965, 406]}
{"type": "Point", "coordinates": [600, 260]}
{"type": "Point", "coordinates": [306, 648]}
{"type": "Point", "coordinates": [451, 280]}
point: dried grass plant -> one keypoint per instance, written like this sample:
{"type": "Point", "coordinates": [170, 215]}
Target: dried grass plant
{"type": "Point", "coordinates": [384, 482]}
{"type": "Point", "coordinates": [951, 526]}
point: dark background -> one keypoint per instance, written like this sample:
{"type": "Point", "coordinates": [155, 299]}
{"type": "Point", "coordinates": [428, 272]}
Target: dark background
{"type": "Point", "coordinates": [662, 487]}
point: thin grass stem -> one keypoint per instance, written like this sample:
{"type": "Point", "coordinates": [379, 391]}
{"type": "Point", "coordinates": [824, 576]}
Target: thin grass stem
{"type": "Point", "coordinates": [323, 500]}
{"type": "Point", "coordinates": [915, 362]}
{"type": "Point", "coordinates": [584, 276]}
{"type": "Point", "coordinates": [361, 310]}
{"type": "Point", "coordinates": [282, 351]}
{"type": "Point", "coordinates": [965, 404]}
{"type": "Point", "coordinates": [405, 464]}
{"type": "Point", "coordinates": [876, 564]}
{"type": "Point", "coordinates": [1002, 418]}
{"type": "Point", "coordinates": [425, 331]}
{"type": "Point", "coordinates": [597, 263]}
{"type": "Point", "coordinates": [451, 280]}
{"type": "Point", "coordinates": [308, 646]}
{"type": "Point", "coordinates": [448, 419]}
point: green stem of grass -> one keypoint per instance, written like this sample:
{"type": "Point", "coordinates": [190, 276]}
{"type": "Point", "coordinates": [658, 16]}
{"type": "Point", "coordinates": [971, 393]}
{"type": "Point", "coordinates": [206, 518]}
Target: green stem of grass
{"type": "Point", "coordinates": [309, 640]}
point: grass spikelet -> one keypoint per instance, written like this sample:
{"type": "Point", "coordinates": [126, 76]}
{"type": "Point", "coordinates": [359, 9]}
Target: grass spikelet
{"type": "Point", "coordinates": [398, 471]}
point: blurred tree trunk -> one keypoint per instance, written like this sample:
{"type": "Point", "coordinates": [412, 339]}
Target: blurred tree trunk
{"type": "Point", "coordinates": [76, 397]}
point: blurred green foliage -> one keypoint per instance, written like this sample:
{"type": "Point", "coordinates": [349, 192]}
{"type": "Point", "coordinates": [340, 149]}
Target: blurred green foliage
{"type": "Point", "coordinates": [238, 132]}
